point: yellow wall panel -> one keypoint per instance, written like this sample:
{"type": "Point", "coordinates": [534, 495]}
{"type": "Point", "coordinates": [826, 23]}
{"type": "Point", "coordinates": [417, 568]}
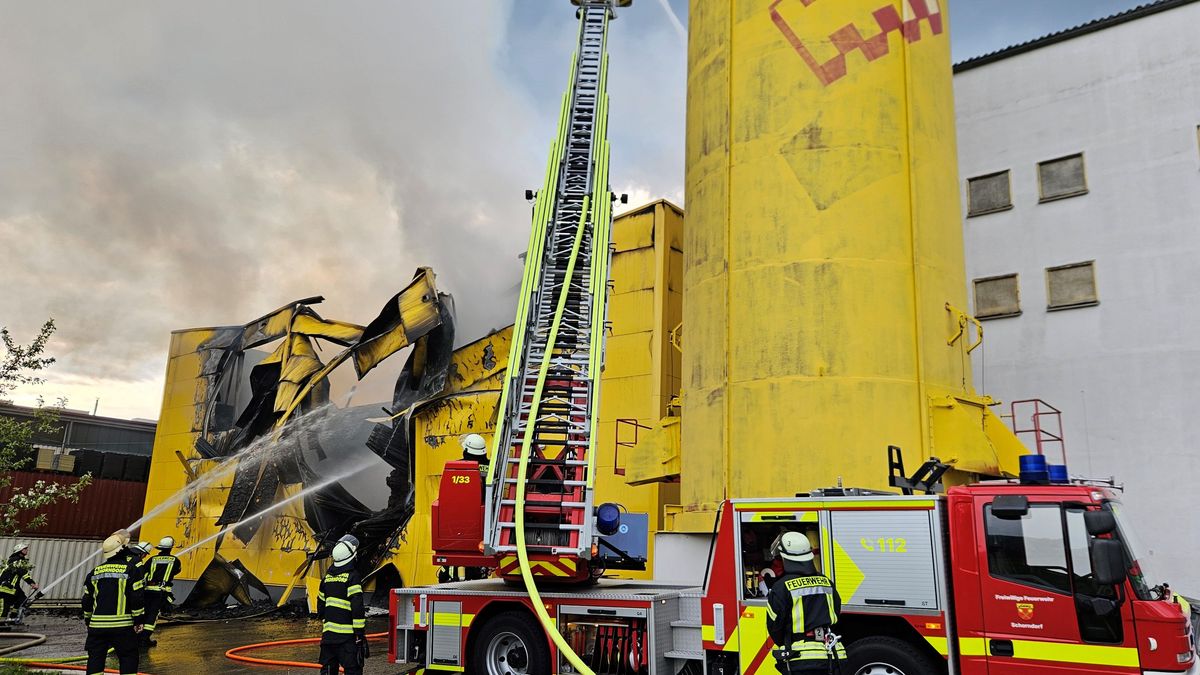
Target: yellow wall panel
{"type": "Point", "coordinates": [823, 244]}
{"type": "Point", "coordinates": [635, 230]}
{"type": "Point", "coordinates": [631, 312]}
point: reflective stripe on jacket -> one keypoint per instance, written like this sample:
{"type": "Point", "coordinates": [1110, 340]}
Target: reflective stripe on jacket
{"type": "Point", "coordinates": [340, 603]}
{"type": "Point", "coordinates": [12, 573]}
{"type": "Point", "coordinates": [112, 595]}
{"type": "Point", "coordinates": [161, 571]}
{"type": "Point", "coordinates": [799, 605]}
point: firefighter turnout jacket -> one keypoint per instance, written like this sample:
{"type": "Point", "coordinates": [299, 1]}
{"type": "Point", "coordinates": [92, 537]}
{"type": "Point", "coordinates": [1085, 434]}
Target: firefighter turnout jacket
{"type": "Point", "coordinates": [340, 604]}
{"type": "Point", "coordinates": [801, 608]}
{"type": "Point", "coordinates": [12, 573]}
{"type": "Point", "coordinates": [112, 595]}
{"type": "Point", "coordinates": [160, 572]}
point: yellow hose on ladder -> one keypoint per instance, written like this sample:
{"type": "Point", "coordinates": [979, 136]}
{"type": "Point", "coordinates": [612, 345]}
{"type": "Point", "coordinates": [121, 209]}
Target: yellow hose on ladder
{"type": "Point", "coordinates": [535, 597]}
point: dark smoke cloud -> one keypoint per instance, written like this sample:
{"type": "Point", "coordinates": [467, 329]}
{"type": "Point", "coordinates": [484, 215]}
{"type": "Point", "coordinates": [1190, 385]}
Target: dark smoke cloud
{"type": "Point", "coordinates": [171, 164]}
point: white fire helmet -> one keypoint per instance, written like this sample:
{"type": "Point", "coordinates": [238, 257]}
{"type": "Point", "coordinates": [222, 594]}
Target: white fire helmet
{"type": "Point", "coordinates": [474, 447]}
{"type": "Point", "coordinates": [166, 543]}
{"type": "Point", "coordinates": [345, 550]}
{"type": "Point", "coordinates": [795, 547]}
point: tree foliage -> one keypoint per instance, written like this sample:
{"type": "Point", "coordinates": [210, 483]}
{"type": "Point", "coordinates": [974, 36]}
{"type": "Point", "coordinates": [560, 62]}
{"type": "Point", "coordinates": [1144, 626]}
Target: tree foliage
{"type": "Point", "coordinates": [23, 365]}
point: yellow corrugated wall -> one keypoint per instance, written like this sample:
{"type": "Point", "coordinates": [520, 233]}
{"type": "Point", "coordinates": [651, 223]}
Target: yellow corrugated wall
{"type": "Point", "coordinates": [822, 246]}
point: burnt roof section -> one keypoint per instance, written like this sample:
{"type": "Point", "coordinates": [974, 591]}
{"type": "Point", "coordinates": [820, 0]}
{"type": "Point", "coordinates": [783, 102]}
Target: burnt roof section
{"type": "Point", "coordinates": [1063, 35]}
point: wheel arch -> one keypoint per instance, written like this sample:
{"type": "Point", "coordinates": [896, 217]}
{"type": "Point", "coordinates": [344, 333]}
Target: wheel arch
{"type": "Point", "coordinates": [855, 627]}
{"type": "Point", "coordinates": [494, 609]}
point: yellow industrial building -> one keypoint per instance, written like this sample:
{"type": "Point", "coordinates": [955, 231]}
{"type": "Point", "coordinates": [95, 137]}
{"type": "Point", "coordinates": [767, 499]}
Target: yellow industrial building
{"type": "Point", "coordinates": [641, 385]}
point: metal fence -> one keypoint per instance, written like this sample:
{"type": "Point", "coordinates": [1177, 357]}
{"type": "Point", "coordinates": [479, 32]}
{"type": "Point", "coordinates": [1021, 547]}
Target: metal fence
{"type": "Point", "coordinates": [52, 558]}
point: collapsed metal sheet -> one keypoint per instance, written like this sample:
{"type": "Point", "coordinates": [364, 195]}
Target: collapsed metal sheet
{"type": "Point", "coordinates": [293, 378]}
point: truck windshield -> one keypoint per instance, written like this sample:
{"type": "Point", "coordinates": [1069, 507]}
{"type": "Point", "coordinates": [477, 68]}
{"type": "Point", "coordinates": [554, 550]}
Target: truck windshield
{"type": "Point", "coordinates": [1146, 583]}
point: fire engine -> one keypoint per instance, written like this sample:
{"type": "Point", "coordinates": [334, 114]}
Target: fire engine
{"type": "Point", "coordinates": [999, 578]}
{"type": "Point", "coordinates": [1036, 575]}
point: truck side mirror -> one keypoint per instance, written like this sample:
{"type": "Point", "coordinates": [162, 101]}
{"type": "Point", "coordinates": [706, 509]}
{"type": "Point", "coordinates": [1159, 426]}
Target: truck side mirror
{"type": "Point", "coordinates": [1010, 507]}
{"type": "Point", "coordinates": [1108, 562]}
{"type": "Point", "coordinates": [1100, 523]}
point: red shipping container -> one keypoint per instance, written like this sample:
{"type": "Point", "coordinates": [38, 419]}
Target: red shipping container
{"type": "Point", "coordinates": [104, 507]}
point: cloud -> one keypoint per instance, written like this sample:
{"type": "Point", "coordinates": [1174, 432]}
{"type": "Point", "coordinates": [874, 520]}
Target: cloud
{"type": "Point", "coordinates": [168, 164]}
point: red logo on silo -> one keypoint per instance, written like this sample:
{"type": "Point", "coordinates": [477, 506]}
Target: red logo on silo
{"type": "Point", "coordinates": [849, 38]}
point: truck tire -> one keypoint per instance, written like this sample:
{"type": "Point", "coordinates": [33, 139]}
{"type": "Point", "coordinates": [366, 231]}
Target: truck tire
{"type": "Point", "coordinates": [510, 643]}
{"type": "Point", "coordinates": [887, 656]}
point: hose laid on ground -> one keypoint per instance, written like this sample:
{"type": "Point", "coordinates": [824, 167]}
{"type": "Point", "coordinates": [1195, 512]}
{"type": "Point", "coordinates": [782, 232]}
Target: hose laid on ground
{"type": "Point", "coordinates": [51, 659]}
{"type": "Point", "coordinates": [31, 640]}
{"type": "Point", "coordinates": [63, 666]}
{"type": "Point", "coordinates": [235, 654]}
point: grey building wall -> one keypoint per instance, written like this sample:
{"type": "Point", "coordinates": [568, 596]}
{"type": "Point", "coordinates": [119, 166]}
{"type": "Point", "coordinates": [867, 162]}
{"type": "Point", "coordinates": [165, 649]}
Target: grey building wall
{"type": "Point", "coordinates": [80, 431]}
{"type": "Point", "coordinates": [1124, 371]}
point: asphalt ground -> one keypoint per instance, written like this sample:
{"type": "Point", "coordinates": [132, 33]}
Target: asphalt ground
{"type": "Point", "coordinates": [192, 648]}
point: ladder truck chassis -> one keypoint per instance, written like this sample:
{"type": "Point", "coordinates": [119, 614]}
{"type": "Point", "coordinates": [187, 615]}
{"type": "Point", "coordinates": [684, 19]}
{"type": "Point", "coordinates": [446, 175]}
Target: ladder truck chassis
{"type": "Point", "coordinates": [930, 584]}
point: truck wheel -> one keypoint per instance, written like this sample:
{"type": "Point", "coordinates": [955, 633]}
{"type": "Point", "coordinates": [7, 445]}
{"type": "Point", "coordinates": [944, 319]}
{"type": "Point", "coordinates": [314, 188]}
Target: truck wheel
{"type": "Point", "coordinates": [887, 656]}
{"type": "Point", "coordinates": [511, 643]}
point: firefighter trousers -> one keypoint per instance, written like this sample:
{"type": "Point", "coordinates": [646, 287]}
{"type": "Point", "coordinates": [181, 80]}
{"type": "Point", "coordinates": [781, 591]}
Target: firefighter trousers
{"type": "Point", "coordinates": [123, 641]}
{"type": "Point", "coordinates": [155, 601]}
{"type": "Point", "coordinates": [344, 654]}
{"type": "Point", "coordinates": [9, 602]}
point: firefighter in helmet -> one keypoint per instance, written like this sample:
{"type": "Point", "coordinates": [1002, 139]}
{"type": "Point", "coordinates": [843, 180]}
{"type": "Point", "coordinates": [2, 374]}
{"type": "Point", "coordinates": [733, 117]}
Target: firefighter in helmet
{"type": "Point", "coordinates": [340, 608]}
{"type": "Point", "coordinates": [802, 608]}
{"type": "Point", "coordinates": [112, 607]}
{"type": "Point", "coordinates": [17, 569]}
{"type": "Point", "coordinates": [160, 574]}
{"type": "Point", "coordinates": [475, 450]}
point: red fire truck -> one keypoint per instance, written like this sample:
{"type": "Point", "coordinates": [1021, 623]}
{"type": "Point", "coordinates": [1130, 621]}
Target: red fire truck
{"type": "Point", "coordinates": [996, 578]}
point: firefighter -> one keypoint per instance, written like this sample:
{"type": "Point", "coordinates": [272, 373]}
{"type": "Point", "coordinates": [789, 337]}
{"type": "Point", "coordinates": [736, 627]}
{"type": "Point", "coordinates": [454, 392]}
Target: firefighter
{"type": "Point", "coordinates": [340, 609]}
{"type": "Point", "coordinates": [17, 569]}
{"type": "Point", "coordinates": [802, 608]}
{"type": "Point", "coordinates": [160, 572]}
{"type": "Point", "coordinates": [475, 450]}
{"type": "Point", "coordinates": [139, 552]}
{"type": "Point", "coordinates": [112, 608]}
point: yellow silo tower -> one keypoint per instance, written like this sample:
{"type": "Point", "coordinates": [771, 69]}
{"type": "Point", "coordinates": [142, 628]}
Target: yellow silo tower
{"type": "Point", "coordinates": [824, 282]}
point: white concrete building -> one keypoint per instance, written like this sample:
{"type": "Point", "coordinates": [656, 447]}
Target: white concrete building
{"type": "Point", "coordinates": [1080, 159]}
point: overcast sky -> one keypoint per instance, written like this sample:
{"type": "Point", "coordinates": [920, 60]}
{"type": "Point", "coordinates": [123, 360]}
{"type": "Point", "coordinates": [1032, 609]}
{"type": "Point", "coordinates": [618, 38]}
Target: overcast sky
{"type": "Point", "coordinates": [166, 164]}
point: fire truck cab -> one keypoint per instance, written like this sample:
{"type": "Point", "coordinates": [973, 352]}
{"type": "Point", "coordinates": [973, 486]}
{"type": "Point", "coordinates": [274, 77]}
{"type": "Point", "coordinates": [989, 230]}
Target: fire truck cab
{"type": "Point", "coordinates": [998, 578]}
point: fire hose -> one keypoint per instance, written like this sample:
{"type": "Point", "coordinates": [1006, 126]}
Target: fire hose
{"type": "Point", "coordinates": [535, 597]}
{"type": "Point", "coordinates": [53, 663]}
{"type": "Point", "coordinates": [235, 654]}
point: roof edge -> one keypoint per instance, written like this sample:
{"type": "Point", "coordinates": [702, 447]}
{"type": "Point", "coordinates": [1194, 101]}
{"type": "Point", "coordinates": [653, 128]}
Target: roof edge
{"type": "Point", "coordinates": [1141, 11]}
{"type": "Point", "coordinates": [642, 208]}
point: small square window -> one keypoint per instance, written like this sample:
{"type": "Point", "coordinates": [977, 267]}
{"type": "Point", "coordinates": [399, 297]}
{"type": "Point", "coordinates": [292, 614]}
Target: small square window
{"type": "Point", "coordinates": [1061, 178]}
{"type": "Point", "coordinates": [997, 297]}
{"type": "Point", "coordinates": [989, 194]}
{"type": "Point", "coordinates": [1070, 286]}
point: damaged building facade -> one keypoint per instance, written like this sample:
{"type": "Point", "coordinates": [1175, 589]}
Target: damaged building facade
{"type": "Point", "coordinates": [251, 424]}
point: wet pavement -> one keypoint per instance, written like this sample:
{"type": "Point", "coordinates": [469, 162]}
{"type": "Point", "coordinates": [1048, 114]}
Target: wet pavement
{"type": "Point", "coordinates": [193, 648]}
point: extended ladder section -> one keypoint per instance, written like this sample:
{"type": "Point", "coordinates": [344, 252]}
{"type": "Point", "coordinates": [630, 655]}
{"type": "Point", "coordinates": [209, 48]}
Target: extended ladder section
{"type": "Point", "coordinates": [550, 403]}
